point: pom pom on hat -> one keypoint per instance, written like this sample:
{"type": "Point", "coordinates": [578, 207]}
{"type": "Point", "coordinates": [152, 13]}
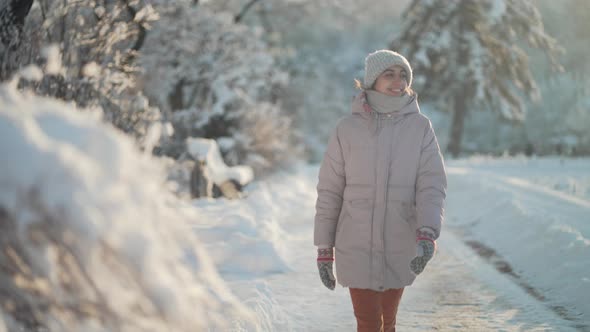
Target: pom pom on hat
{"type": "Point", "coordinates": [378, 61]}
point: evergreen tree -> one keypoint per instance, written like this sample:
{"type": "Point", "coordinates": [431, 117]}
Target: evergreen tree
{"type": "Point", "coordinates": [467, 54]}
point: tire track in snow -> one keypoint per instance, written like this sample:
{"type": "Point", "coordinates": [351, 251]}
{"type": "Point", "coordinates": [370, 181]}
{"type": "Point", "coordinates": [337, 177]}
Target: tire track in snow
{"type": "Point", "coordinates": [460, 291]}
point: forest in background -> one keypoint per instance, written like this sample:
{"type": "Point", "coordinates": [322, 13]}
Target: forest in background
{"type": "Point", "coordinates": [268, 80]}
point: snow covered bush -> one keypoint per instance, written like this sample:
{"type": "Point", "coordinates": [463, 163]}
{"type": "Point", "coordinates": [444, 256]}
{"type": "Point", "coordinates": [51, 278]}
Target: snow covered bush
{"type": "Point", "coordinates": [89, 240]}
{"type": "Point", "coordinates": [207, 74]}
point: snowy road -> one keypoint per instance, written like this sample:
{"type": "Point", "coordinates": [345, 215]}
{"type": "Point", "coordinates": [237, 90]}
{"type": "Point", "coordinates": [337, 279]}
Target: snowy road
{"type": "Point", "coordinates": [541, 232]}
{"type": "Point", "coordinates": [267, 256]}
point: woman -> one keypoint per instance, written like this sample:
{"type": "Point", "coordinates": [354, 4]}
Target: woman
{"type": "Point", "coordinates": [381, 192]}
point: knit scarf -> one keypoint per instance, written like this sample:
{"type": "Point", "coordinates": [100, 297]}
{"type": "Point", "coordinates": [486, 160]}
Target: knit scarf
{"type": "Point", "coordinates": [382, 103]}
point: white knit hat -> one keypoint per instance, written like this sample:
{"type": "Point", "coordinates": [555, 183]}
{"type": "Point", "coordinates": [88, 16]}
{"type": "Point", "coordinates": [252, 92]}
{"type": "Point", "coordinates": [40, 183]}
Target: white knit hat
{"type": "Point", "coordinates": [378, 61]}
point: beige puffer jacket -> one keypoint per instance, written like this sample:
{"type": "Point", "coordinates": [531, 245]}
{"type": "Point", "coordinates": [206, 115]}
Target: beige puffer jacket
{"type": "Point", "coordinates": [382, 178]}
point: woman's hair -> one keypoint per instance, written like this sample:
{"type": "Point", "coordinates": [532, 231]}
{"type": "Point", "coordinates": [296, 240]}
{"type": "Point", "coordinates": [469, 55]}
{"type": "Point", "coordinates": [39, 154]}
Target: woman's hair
{"type": "Point", "coordinates": [359, 85]}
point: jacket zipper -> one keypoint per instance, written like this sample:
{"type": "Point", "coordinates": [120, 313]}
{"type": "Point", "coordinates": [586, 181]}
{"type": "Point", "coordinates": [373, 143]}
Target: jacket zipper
{"type": "Point", "coordinates": [376, 154]}
{"type": "Point", "coordinates": [389, 159]}
{"type": "Point", "coordinates": [389, 155]}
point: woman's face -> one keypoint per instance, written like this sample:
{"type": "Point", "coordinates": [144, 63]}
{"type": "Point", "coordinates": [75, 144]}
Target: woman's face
{"type": "Point", "coordinates": [393, 81]}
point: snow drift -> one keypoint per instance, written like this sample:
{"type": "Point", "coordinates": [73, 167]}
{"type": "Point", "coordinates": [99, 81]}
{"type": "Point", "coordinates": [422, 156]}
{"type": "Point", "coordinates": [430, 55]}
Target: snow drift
{"type": "Point", "coordinates": [90, 240]}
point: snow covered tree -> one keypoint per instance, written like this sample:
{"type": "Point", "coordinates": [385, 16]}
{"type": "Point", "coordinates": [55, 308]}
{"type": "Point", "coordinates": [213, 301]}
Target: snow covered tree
{"type": "Point", "coordinates": [13, 51]}
{"type": "Point", "coordinates": [559, 124]}
{"type": "Point", "coordinates": [467, 54]}
{"type": "Point", "coordinates": [12, 20]}
{"type": "Point", "coordinates": [578, 67]}
{"type": "Point", "coordinates": [322, 45]}
{"type": "Point", "coordinates": [215, 78]}
{"type": "Point", "coordinates": [93, 62]}
{"type": "Point", "coordinates": [576, 61]}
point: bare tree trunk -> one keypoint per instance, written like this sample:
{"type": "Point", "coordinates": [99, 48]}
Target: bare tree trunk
{"type": "Point", "coordinates": [456, 133]}
{"type": "Point", "coordinates": [460, 97]}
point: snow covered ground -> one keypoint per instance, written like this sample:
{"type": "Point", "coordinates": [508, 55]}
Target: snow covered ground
{"type": "Point", "coordinates": [262, 246]}
{"type": "Point", "coordinates": [534, 217]}
{"type": "Point", "coordinates": [81, 207]}
{"type": "Point", "coordinates": [569, 176]}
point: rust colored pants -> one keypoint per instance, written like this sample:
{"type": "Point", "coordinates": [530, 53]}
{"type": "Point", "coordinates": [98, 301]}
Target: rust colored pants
{"type": "Point", "coordinates": [375, 311]}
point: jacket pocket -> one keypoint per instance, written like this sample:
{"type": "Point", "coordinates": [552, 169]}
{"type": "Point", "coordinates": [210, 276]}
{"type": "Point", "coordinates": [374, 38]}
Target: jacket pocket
{"type": "Point", "coordinates": [402, 198]}
{"type": "Point", "coordinates": [354, 227]}
{"type": "Point", "coordinates": [408, 213]}
{"type": "Point", "coordinates": [399, 228]}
